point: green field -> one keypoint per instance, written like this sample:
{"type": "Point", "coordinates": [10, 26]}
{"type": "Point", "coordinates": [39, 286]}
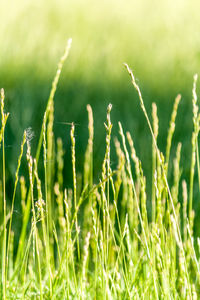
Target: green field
{"type": "Point", "coordinates": [107, 222]}
{"type": "Point", "coordinates": [161, 45]}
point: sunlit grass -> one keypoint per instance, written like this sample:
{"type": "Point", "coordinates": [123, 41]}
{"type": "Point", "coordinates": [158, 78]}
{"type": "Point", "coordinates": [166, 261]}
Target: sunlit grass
{"type": "Point", "coordinates": [99, 240]}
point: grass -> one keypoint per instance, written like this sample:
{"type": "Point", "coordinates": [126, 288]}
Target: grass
{"type": "Point", "coordinates": [99, 240]}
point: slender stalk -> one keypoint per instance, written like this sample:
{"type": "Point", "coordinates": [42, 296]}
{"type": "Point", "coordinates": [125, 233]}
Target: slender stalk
{"type": "Point", "coordinates": [4, 118]}
{"type": "Point", "coordinates": [4, 224]}
{"type": "Point", "coordinates": [171, 130]}
{"type": "Point", "coordinates": [154, 156]}
{"type": "Point", "coordinates": [74, 185]}
{"type": "Point", "coordinates": [34, 224]}
{"type": "Point", "coordinates": [47, 205]}
{"type": "Point", "coordinates": [194, 147]}
{"type": "Point", "coordinates": [51, 99]}
{"type": "Point", "coordinates": [14, 193]}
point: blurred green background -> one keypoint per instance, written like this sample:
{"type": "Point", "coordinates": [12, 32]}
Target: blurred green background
{"type": "Point", "coordinates": [158, 39]}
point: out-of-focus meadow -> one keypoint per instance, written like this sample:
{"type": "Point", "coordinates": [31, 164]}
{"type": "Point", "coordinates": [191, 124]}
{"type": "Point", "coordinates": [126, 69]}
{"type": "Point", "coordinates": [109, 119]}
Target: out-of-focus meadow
{"type": "Point", "coordinates": [158, 39]}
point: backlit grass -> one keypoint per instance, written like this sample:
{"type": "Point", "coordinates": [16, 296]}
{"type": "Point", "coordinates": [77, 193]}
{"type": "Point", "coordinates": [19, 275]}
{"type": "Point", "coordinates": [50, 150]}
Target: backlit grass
{"type": "Point", "coordinates": [98, 240]}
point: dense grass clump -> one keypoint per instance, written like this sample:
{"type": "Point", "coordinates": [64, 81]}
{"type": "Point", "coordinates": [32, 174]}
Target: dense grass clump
{"type": "Point", "coordinates": [99, 240]}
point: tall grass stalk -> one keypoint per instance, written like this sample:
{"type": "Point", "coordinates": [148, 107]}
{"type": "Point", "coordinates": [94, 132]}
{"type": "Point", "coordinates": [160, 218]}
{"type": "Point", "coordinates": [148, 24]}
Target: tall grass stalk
{"type": "Point", "coordinates": [34, 222]}
{"type": "Point", "coordinates": [74, 186]}
{"type": "Point", "coordinates": [14, 194]}
{"type": "Point", "coordinates": [4, 118]}
{"type": "Point", "coordinates": [154, 157]}
{"type": "Point", "coordinates": [49, 103]}
{"type": "Point", "coordinates": [171, 130]}
{"type": "Point", "coordinates": [196, 119]}
{"type": "Point", "coordinates": [98, 239]}
{"type": "Point", "coordinates": [48, 205]}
